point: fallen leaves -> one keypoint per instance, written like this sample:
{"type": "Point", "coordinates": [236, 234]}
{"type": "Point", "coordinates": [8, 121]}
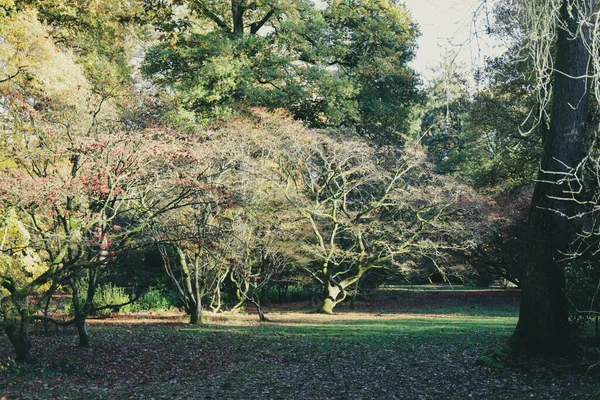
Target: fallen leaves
{"type": "Point", "coordinates": [297, 355]}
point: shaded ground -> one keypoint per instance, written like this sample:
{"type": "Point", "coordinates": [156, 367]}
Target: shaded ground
{"type": "Point", "coordinates": [429, 351]}
{"type": "Point", "coordinates": [444, 301]}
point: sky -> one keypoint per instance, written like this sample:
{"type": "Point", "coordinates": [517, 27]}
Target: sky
{"type": "Point", "coordinates": [448, 26]}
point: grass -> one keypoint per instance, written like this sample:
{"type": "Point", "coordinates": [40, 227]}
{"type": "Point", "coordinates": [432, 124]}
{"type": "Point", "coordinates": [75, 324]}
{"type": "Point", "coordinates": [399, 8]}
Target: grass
{"type": "Point", "coordinates": [418, 354]}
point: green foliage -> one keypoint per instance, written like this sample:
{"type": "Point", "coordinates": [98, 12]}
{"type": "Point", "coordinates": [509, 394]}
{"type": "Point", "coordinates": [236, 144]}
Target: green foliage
{"type": "Point", "coordinates": [40, 69]}
{"type": "Point", "coordinates": [281, 294]}
{"type": "Point", "coordinates": [489, 138]}
{"type": "Point", "coordinates": [153, 300]}
{"type": "Point", "coordinates": [495, 358]}
{"type": "Point", "coordinates": [208, 71]}
{"type": "Point", "coordinates": [345, 65]}
{"type": "Point", "coordinates": [105, 297]}
{"type": "Point", "coordinates": [19, 262]}
{"type": "Point", "coordinates": [502, 118]}
{"type": "Point", "coordinates": [101, 31]}
{"type": "Point", "coordinates": [110, 295]}
{"type": "Point", "coordinates": [7, 8]}
{"type": "Point", "coordinates": [583, 290]}
{"type": "Point", "coordinates": [443, 127]}
{"type": "Point", "coordinates": [372, 42]}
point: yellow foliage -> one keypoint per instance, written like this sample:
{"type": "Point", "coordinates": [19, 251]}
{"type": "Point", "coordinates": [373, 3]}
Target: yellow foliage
{"type": "Point", "coordinates": [18, 260]}
{"type": "Point", "coordinates": [28, 52]}
{"type": "Point", "coordinates": [7, 3]}
{"type": "Point", "coordinates": [14, 237]}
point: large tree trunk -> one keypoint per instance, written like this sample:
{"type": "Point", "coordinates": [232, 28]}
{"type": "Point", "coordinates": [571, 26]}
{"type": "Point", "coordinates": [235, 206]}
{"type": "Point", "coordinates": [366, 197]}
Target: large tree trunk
{"type": "Point", "coordinates": [18, 334]}
{"type": "Point", "coordinates": [543, 319]}
{"type": "Point", "coordinates": [331, 299]}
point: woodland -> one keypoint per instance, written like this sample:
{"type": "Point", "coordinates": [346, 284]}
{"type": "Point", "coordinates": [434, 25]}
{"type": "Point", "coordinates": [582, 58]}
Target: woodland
{"type": "Point", "coordinates": [262, 199]}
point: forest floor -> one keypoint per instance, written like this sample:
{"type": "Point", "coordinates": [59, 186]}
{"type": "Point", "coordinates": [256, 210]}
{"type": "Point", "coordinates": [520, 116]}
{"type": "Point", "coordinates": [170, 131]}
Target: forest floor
{"type": "Point", "coordinates": [414, 345]}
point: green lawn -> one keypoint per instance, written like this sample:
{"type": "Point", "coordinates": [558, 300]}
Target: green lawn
{"type": "Point", "coordinates": [298, 355]}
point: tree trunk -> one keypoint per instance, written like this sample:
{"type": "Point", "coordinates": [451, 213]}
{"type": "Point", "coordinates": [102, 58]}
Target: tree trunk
{"type": "Point", "coordinates": [84, 335]}
{"type": "Point", "coordinates": [238, 8]}
{"type": "Point", "coordinates": [196, 295]}
{"type": "Point", "coordinates": [81, 311]}
{"type": "Point", "coordinates": [196, 313]}
{"type": "Point", "coordinates": [216, 298]}
{"type": "Point", "coordinates": [19, 338]}
{"type": "Point", "coordinates": [331, 299]}
{"type": "Point", "coordinates": [261, 314]}
{"type": "Point", "coordinates": [543, 319]}
{"type": "Point", "coordinates": [46, 307]}
{"type": "Point", "coordinates": [281, 293]}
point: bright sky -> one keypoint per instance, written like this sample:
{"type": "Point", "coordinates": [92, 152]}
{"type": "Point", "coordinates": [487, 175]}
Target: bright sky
{"type": "Point", "coordinates": [447, 25]}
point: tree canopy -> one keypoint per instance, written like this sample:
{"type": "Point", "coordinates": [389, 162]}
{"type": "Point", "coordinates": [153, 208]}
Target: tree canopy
{"type": "Point", "coordinates": [345, 64]}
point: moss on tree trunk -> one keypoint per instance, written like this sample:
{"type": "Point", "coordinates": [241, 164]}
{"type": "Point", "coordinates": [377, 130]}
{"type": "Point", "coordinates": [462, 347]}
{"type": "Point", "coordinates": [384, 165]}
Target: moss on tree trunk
{"type": "Point", "coordinates": [331, 299]}
{"type": "Point", "coordinates": [327, 306]}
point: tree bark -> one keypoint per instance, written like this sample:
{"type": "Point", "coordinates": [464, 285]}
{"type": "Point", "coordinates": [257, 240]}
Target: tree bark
{"type": "Point", "coordinates": [354, 296]}
{"type": "Point", "coordinates": [81, 311]}
{"type": "Point", "coordinates": [261, 314]}
{"type": "Point", "coordinates": [238, 8]}
{"type": "Point", "coordinates": [84, 335]}
{"type": "Point", "coordinates": [331, 299]}
{"type": "Point", "coordinates": [196, 314]}
{"type": "Point", "coordinates": [19, 338]}
{"type": "Point", "coordinates": [543, 318]}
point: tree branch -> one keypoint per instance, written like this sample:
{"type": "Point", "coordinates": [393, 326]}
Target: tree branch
{"type": "Point", "coordinates": [255, 26]}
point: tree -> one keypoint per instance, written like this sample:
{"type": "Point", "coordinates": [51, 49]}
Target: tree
{"type": "Point", "coordinates": [258, 263]}
{"type": "Point", "coordinates": [19, 266]}
{"type": "Point", "coordinates": [97, 183]}
{"type": "Point", "coordinates": [101, 33]}
{"type": "Point", "coordinates": [41, 90]}
{"type": "Point", "coordinates": [502, 249]}
{"type": "Point", "coordinates": [190, 243]}
{"type": "Point", "coordinates": [443, 123]}
{"type": "Point", "coordinates": [231, 241]}
{"type": "Point", "coordinates": [231, 16]}
{"type": "Point", "coordinates": [507, 125]}
{"type": "Point", "coordinates": [369, 208]}
{"type": "Point", "coordinates": [344, 65]}
{"type": "Point", "coordinates": [490, 138]}
{"type": "Point", "coordinates": [543, 319]}
{"type": "Point", "coordinates": [81, 220]}
{"type": "Point", "coordinates": [372, 43]}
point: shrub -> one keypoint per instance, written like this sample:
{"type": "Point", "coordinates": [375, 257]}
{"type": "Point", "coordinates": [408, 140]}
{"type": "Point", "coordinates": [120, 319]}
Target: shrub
{"type": "Point", "coordinates": [280, 294]}
{"type": "Point", "coordinates": [582, 283]}
{"type": "Point", "coordinates": [111, 295]}
{"type": "Point", "coordinates": [108, 295]}
{"type": "Point", "coordinates": [153, 299]}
